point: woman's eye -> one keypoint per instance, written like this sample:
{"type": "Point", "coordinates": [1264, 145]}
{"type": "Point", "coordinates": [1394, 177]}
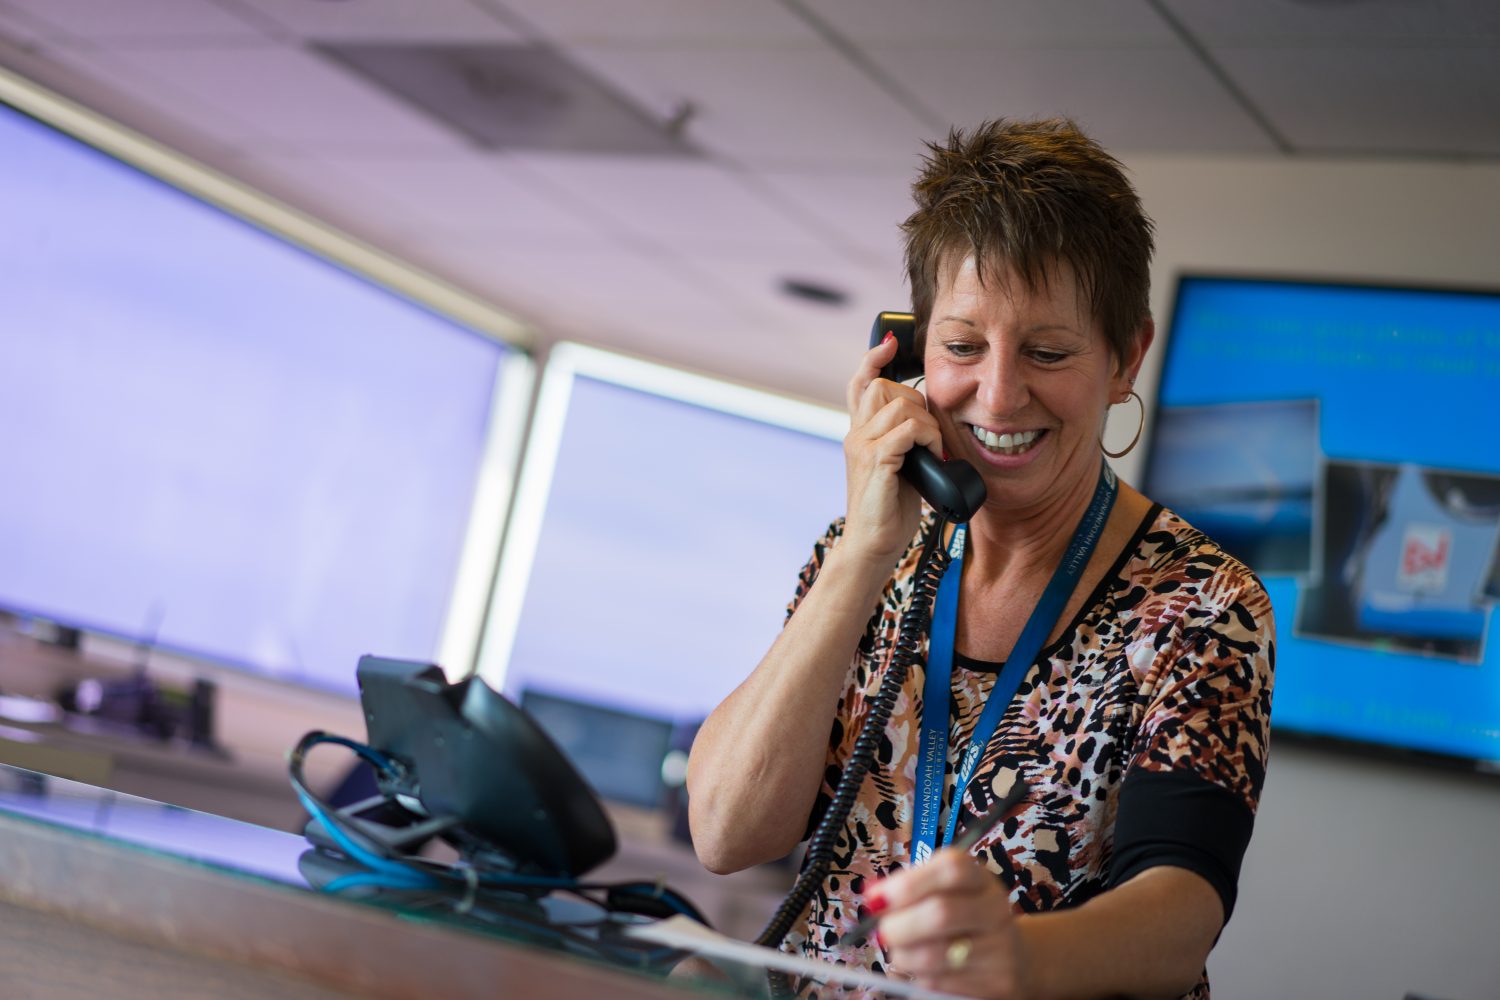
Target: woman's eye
{"type": "Point", "coordinates": [1049, 357]}
{"type": "Point", "coordinates": [959, 349]}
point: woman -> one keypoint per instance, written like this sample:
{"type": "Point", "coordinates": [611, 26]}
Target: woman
{"type": "Point", "coordinates": [1139, 718]}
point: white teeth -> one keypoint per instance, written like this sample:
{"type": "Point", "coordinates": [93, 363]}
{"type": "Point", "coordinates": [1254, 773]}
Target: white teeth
{"type": "Point", "coordinates": [1006, 444]}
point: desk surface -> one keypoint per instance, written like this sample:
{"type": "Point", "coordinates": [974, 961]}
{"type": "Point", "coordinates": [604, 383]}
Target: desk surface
{"type": "Point", "coordinates": [153, 892]}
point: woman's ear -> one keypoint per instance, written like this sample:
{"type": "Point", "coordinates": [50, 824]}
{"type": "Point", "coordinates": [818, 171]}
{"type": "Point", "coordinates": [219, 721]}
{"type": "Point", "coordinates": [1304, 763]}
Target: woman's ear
{"type": "Point", "coordinates": [1130, 364]}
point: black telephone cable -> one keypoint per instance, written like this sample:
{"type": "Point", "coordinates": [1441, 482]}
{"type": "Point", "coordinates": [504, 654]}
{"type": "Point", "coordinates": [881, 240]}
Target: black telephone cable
{"type": "Point", "coordinates": [915, 625]}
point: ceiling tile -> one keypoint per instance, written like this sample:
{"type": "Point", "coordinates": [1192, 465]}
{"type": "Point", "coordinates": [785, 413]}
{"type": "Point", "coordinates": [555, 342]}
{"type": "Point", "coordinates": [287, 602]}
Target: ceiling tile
{"type": "Point", "coordinates": [995, 24]}
{"type": "Point", "coordinates": [461, 193]}
{"type": "Point", "coordinates": [139, 20]}
{"type": "Point", "coordinates": [602, 286]}
{"type": "Point", "coordinates": [386, 20]}
{"type": "Point", "coordinates": [19, 27]}
{"type": "Point", "coordinates": [290, 98]}
{"type": "Point", "coordinates": [865, 211]}
{"type": "Point", "coordinates": [330, 192]}
{"type": "Point", "coordinates": [661, 23]}
{"type": "Point", "coordinates": [686, 206]}
{"type": "Point", "coordinates": [1128, 99]}
{"type": "Point", "coordinates": [125, 89]}
{"type": "Point", "coordinates": [791, 106]}
{"type": "Point", "coordinates": [1393, 101]}
{"type": "Point", "coordinates": [606, 295]}
{"type": "Point", "coordinates": [809, 345]}
{"type": "Point", "coordinates": [1338, 23]}
{"type": "Point", "coordinates": [756, 279]}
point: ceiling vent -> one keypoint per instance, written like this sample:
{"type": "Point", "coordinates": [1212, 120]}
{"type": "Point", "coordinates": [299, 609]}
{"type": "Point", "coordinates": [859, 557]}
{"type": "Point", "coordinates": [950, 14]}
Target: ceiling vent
{"type": "Point", "coordinates": [517, 97]}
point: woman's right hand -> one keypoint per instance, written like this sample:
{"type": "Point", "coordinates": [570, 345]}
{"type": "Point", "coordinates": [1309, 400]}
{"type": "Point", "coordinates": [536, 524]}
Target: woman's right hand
{"type": "Point", "coordinates": [886, 420]}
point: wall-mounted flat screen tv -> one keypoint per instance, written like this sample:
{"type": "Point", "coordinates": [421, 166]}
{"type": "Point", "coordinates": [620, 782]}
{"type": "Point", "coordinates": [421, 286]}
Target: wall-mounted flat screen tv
{"type": "Point", "coordinates": [222, 443]}
{"type": "Point", "coordinates": [1342, 440]}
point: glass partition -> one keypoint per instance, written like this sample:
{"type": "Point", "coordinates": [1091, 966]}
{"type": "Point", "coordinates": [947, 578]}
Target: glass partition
{"type": "Point", "coordinates": [660, 523]}
{"type": "Point", "coordinates": [231, 432]}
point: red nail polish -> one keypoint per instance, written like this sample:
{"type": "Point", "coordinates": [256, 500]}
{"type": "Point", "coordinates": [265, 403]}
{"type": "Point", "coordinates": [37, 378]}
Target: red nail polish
{"type": "Point", "coordinates": [889, 336]}
{"type": "Point", "coordinates": [875, 902]}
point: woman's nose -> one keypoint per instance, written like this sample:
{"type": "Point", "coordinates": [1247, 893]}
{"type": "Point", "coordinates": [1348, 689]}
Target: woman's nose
{"type": "Point", "coordinates": [1002, 387]}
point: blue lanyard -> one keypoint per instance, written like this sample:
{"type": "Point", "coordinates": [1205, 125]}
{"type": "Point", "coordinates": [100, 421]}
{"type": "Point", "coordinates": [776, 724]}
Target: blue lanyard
{"type": "Point", "coordinates": [933, 751]}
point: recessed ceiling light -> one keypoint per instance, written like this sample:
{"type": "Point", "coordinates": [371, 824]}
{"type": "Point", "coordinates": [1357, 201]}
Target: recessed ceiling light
{"type": "Point", "coordinates": [814, 291]}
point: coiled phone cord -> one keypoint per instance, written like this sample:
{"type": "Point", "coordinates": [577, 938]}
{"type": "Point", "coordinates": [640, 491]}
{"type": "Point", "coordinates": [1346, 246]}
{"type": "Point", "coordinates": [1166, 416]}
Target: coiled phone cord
{"type": "Point", "coordinates": [915, 625]}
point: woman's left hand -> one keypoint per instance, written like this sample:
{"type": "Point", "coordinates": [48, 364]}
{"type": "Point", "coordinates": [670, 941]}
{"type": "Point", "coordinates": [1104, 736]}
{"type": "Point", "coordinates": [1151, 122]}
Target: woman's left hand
{"type": "Point", "coordinates": [948, 924]}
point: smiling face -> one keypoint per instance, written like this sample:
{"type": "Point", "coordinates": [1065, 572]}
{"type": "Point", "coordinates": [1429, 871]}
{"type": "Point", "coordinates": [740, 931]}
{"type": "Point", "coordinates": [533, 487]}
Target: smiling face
{"type": "Point", "coordinates": [1020, 381]}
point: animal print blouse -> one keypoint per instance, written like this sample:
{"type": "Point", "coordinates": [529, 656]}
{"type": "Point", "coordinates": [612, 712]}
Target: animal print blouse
{"type": "Point", "coordinates": [1141, 733]}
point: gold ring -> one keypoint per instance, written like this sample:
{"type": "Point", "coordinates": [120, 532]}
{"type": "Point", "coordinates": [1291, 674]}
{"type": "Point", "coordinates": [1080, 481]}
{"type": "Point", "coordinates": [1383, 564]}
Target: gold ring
{"type": "Point", "coordinates": [957, 955]}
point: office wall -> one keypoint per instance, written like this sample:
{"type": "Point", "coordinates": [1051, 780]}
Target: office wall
{"type": "Point", "coordinates": [1366, 878]}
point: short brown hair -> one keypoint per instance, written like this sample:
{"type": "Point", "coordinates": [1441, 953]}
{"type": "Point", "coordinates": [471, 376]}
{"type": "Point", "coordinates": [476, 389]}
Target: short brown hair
{"type": "Point", "coordinates": [1029, 194]}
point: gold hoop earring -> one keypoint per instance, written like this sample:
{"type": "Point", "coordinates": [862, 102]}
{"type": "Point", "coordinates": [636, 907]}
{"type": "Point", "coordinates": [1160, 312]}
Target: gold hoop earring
{"type": "Point", "coordinates": [1139, 427]}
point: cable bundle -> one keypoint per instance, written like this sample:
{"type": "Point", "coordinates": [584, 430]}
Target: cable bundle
{"type": "Point", "coordinates": [461, 882]}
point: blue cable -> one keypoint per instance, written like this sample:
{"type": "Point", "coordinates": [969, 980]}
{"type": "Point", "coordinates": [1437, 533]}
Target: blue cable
{"type": "Point", "coordinates": [357, 879]}
{"type": "Point", "coordinates": [395, 869]}
{"type": "Point", "coordinates": [403, 873]}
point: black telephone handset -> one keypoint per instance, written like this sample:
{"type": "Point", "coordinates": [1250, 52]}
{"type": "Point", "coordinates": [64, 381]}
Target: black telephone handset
{"type": "Point", "coordinates": [953, 489]}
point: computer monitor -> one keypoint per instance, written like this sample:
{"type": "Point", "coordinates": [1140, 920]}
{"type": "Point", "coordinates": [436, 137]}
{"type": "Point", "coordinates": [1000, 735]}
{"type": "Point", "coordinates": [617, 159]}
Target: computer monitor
{"type": "Point", "coordinates": [1340, 438]}
{"type": "Point", "coordinates": [231, 432]}
{"type": "Point", "coordinates": [623, 755]}
{"type": "Point", "coordinates": [661, 520]}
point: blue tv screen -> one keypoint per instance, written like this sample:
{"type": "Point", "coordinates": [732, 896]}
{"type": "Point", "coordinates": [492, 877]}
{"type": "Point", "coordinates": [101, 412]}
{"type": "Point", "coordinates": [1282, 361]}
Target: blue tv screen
{"type": "Point", "coordinates": [1341, 440]}
{"type": "Point", "coordinates": [219, 442]}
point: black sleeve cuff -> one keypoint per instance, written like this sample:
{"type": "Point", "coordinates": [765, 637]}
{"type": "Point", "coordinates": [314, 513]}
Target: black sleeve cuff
{"type": "Point", "coordinates": [1178, 819]}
